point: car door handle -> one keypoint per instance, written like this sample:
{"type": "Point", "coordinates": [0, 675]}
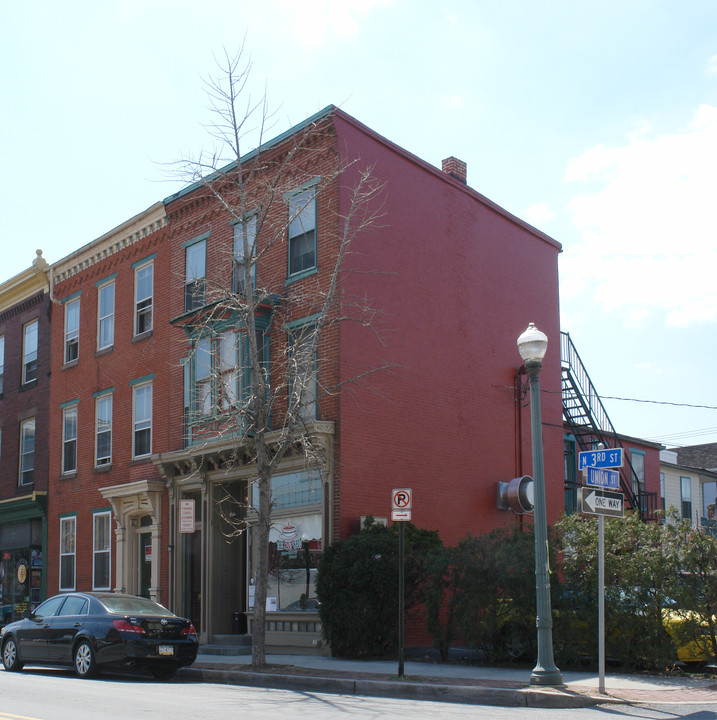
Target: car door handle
{"type": "Point", "coordinates": [44, 627]}
{"type": "Point", "coordinates": [78, 624]}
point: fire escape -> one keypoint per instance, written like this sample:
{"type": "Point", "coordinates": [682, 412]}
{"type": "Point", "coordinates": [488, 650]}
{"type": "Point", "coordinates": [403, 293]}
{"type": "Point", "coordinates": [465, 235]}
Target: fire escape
{"type": "Point", "coordinates": [589, 423]}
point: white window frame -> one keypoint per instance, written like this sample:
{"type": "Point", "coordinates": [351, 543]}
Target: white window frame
{"type": "Point", "coordinates": [68, 531]}
{"type": "Point", "coordinates": [141, 423]}
{"type": "Point", "coordinates": [105, 550]}
{"type": "Point", "coordinates": [144, 303]}
{"type": "Point", "coordinates": [685, 496]}
{"type": "Point", "coordinates": [195, 274]}
{"type": "Point", "coordinates": [2, 363]}
{"type": "Point", "coordinates": [72, 330]}
{"type": "Point", "coordinates": [106, 315]}
{"type": "Point", "coordinates": [302, 223]}
{"type": "Point", "coordinates": [30, 333]}
{"type": "Point", "coordinates": [309, 399]}
{"type": "Point", "coordinates": [69, 439]}
{"type": "Point", "coordinates": [240, 261]}
{"type": "Point", "coordinates": [26, 452]}
{"type": "Point", "coordinates": [103, 426]}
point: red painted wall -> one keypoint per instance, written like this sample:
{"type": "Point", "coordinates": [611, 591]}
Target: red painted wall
{"type": "Point", "coordinates": [455, 282]}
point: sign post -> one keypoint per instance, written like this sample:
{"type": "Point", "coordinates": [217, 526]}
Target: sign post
{"type": "Point", "coordinates": [401, 501]}
{"type": "Point", "coordinates": [595, 500]}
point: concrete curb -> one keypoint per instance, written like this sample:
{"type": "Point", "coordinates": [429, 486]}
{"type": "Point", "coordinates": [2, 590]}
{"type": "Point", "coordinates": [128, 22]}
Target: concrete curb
{"type": "Point", "coordinates": [469, 694]}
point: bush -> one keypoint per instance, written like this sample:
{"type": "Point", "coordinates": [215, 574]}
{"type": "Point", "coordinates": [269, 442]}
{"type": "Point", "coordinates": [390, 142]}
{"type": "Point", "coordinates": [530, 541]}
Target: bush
{"type": "Point", "coordinates": [357, 585]}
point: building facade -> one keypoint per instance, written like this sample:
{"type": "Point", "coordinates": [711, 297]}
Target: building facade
{"type": "Point", "coordinates": [107, 404]}
{"type": "Point", "coordinates": [25, 312]}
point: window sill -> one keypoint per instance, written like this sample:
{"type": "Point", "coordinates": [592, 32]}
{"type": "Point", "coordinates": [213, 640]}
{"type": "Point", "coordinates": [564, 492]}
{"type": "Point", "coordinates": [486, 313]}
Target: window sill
{"type": "Point", "coordinates": [301, 275]}
{"type": "Point", "coordinates": [72, 363]}
{"type": "Point", "coordinates": [141, 460]}
{"type": "Point", "coordinates": [69, 475]}
{"type": "Point", "coordinates": [103, 468]}
{"type": "Point", "coordinates": [104, 351]}
{"type": "Point", "coordinates": [143, 336]}
{"type": "Point", "coordinates": [28, 385]}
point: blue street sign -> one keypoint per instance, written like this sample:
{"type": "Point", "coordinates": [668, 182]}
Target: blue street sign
{"type": "Point", "coordinates": [602, 477]}
{"type": "Point", "coordinates": [608, 458]}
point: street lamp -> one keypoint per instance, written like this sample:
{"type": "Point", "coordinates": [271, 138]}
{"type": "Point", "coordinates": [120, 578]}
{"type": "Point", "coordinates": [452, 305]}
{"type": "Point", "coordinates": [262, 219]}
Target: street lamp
{"type": "Point", "coordinates": [532, 345]}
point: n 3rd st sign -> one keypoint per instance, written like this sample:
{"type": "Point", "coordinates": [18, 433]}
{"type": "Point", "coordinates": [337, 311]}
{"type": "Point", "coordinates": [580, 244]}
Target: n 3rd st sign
{"type": "Point", "coordinates": [595, 501]}
{"type": "Point", "coordinates": [607, 458]}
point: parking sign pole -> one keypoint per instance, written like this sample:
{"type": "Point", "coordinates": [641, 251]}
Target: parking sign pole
{"type": "Point", "coordinates": [400, 600]}
{"type": "Point", "coordinates": [601, 603]}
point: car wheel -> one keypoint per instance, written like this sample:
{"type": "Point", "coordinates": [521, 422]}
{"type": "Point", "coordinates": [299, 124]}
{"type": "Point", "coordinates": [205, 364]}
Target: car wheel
{"type": "Point", "coordinates": [163, 672]}
{"type": "Point", "coordinates": [85, 664]}
{"type": "Point", "coordinates": [10, 657]}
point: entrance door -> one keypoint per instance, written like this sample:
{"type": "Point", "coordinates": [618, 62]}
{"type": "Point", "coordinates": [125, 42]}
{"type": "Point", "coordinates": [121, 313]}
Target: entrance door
{"type": "Point", "coordinates": [193, 577]}
{"type": "Point", "coordinates": [145, 563]}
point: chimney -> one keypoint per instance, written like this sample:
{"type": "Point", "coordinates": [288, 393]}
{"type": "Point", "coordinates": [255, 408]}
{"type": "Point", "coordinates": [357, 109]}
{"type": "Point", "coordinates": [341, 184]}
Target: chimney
{"type": "Point", "coordinates": [455, 168]}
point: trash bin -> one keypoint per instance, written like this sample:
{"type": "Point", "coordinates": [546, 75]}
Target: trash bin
{"type": "Point", "coordinates": [238, 623]}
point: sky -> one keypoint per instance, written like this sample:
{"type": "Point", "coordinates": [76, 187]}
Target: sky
{"type": "Point", "coordinates": [595, 122]}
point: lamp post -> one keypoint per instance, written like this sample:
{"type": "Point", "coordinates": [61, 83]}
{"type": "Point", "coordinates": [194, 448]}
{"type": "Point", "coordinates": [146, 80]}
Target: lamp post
{"type": "Point", "coordinates": [532, 345]}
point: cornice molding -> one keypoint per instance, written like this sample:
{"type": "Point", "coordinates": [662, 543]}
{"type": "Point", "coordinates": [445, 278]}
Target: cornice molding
{"type": "Point", "coordinates": [123, 236]}
{"type": "Point", "coordinates": [25, 284]}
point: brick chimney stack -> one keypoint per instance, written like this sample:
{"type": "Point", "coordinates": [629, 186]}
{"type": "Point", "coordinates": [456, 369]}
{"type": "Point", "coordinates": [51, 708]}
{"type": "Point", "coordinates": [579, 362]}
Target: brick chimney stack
{"type": "Point", "coordinates": [455, 168]}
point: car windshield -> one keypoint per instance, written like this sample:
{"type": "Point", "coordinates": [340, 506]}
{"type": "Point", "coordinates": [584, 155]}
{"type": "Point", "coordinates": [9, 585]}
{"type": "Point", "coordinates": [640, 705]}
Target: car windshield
{"type": "Point", "coordinates": [128, 604]}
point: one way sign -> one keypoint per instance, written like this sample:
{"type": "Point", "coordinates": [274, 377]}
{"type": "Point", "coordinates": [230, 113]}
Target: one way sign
{"type": "Point", "coordinates": [595, 501]}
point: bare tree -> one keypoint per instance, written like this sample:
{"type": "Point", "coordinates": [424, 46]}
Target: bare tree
{"type": "Point", "coordinates": [269, 418]}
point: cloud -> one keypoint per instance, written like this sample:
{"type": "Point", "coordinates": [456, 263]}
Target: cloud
{"type": "Point", "coordinates": [538, 214]}
{"type": "Point", "coordinates": [316, 21]}
{"type": "Point", "coordinates": [647, 238]}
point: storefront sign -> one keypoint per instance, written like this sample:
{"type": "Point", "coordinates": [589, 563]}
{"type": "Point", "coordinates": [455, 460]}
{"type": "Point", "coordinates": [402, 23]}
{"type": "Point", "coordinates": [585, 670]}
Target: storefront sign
{"type": "Point", "coordinates": [186, 516]}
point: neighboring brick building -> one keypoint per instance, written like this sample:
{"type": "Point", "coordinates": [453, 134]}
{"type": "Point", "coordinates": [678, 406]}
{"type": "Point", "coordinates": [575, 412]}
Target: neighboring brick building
{"type": "Point", "coordinates": [108, 404]}
{"type": "Point", "coordinates": [25, 312]}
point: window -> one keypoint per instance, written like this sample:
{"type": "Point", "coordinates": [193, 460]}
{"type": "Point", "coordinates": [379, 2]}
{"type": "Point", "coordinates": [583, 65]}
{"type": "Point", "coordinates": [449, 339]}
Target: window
{"type": "Point", "coordinates": [637, 459]}
{"type": "Point", "coordinates": [142, 420]}
{"type": "Point", "coordinates": [72, 330]}
{"type": "Point", "coordinates": [194, 275]}
{"type": "Point", "coordinates": [69, 439]}
{"type": "Point", "coordinates": [68, 529]}
{"type": "Point", "coordinates": [143, 298]}
{"type": "Point", "coordinates": [203, 377]}
{"type": "Point", "coordinates": [662, 490]}
{"type": "Point", "coordinates": [106, 316]}
{"type": "Point", "coordinates": [75, 605]}
{"type": "Point", "coordinates": [2, 362]}
{"type": "Point", "coordinates": [27, 451]}
{"type": "Point", "coordinates": [29, 352]}
{"type": "Point", "coordinates": [303, 381]}
{"type": "Point", "coordinates": [103, 430]}
{"type": "Point", "coordinates": [101, 552]}
{"type": "Point", "coordinates": [228, 370]}
{"type": "Point", "coordinates": [709, 499]}
{"type": "Point", "coordinates": [686, 492]}
{"type": "Point", "coordinates": [302, 231]}
{"type": "Point", "coordinates": [240, 261]}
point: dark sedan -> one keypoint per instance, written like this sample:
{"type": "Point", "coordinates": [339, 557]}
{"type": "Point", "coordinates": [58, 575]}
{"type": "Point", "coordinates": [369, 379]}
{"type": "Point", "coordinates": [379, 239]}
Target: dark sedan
{"type": "Point", "coordinates": [94, 630]}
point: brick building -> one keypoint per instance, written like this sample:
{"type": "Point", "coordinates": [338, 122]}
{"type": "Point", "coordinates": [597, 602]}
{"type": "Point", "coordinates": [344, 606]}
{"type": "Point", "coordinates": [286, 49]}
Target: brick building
{"type": "Point", "coordinates": [453, 279]}
{"type": "Point", "coordinates": [25, 312]}
{"type": "Point", "coordinates": [107, 401]}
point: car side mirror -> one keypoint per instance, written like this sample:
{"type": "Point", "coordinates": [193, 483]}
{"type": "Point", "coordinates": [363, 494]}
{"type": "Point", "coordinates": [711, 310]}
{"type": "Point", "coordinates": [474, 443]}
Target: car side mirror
{"type": "Point", "coordinates": [27, 614]}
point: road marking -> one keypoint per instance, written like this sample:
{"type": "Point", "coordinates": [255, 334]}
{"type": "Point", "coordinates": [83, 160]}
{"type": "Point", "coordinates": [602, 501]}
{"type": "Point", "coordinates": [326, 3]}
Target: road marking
{"type": "Point", "coordinates": [10, 716]}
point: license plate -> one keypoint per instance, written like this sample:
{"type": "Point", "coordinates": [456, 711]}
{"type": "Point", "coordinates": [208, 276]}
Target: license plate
{"type": "Point", "coordinates": [166, 649]}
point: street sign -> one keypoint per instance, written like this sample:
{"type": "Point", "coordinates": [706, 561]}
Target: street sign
{"type": "Point", "coordinates": [601, 502]}
{"type": "Point", "coordinates": [400, 515]}
{"type": "Point", "coordinates": [401, 499]}
{"type": "Point", "coordinates": [608, 458]}
{"type": "Point", "coordinates": [602, 477]}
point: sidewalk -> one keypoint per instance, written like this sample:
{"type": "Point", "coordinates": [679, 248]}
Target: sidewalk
{"type": "Point", "coordinates": [454, 682]}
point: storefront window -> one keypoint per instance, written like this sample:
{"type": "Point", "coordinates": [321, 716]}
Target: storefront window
{"type": "Point", "coordinates": [20, 569]}
{"type": "Point", "coordinates": [294, 549]}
